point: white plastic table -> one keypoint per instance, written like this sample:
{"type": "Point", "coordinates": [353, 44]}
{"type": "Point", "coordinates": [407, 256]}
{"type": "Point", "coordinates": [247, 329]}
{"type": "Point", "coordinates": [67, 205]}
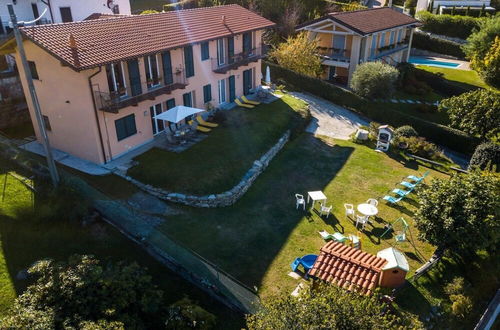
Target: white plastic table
{"type": "Point", "coordinates": [367, 209]}
{"type": "Point", "coordinates": [315, 196]}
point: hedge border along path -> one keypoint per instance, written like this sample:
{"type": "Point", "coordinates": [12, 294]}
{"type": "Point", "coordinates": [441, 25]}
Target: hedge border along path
{"type": "Point", "coordinates": [443, 135]}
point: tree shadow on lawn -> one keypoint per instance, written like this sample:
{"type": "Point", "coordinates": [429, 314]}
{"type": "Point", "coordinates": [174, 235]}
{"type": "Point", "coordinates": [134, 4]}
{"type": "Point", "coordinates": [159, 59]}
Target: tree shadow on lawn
{"type": "Point", "coordinates": [244, 239]}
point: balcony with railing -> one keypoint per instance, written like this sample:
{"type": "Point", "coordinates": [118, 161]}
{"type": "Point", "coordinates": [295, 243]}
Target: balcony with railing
{"type": "Point", "coordinates": [334, 54]}
{"type": "Point", "coordinates": [235, 61]}
{"type": "Point", "coordinates": [388, 50]}
{"type": "Point", "coordinates": [114, 101]}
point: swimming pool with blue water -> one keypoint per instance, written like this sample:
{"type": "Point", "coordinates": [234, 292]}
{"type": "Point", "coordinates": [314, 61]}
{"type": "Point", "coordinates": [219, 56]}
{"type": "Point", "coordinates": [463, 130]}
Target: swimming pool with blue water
{"type": "Point", "coordinates": [426, 61]}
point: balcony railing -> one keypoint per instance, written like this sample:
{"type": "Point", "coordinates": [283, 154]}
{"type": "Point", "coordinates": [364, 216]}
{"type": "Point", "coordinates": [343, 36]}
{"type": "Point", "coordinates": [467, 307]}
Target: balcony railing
{"type": "Point", "coordinates": [237, 60]}
{"type": "Point", "coordinates": [388, 50]}
{"type": "Point", "coordinates": [333, 54]}
{"type": "Point", "coordinates": [113, 102]}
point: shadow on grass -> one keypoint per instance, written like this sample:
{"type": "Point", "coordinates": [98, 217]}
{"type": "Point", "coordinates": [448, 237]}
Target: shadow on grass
{"type": "Point", "coordinates": [25, 238]}
{"type": "Point", "coordinates": [246, 238]}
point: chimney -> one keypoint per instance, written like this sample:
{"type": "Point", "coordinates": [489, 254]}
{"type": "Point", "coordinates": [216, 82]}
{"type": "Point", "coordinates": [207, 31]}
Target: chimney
{"type": "Point", "coordinates": [74, 50]}
{"type": "Point", "coordinates": [224, 19]}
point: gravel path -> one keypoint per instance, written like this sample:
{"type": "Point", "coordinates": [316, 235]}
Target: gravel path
{"type": "Point", "coordinates": [329, 119]}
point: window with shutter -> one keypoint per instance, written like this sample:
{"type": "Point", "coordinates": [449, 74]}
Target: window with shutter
{"type": "Point", "coordinates": [205, 51]}
{"type": "Point", "coordinates": [207, 93]}
{"type": "Point", "coordinates": [188, 60]}
{"type": "Point", "coordinates": [125, 127]}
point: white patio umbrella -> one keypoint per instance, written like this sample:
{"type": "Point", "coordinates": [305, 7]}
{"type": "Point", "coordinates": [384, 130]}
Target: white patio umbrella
{"type": "Point", "coordinates": [178, 113]}
{"type": "Point", "coordinates": [268, 75]}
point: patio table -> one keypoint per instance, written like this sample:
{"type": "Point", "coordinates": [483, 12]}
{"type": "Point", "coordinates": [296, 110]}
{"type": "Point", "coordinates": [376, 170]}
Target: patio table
{"type": "Point", "coordinates": [367, 209]}
{"type": "Point", "coordinates": [315, 196]}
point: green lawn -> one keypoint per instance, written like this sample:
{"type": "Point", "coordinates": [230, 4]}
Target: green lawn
{"type": "Point", "coordinates": [258, 237]}
{"type": "Point", "coordinates": [25, 239]}
{"type": "Point", "coordinates": [217, 163]}
{"type": "Point", "coordinates": [459, 77]}
{"type": "Point", "coordinates": [138, 6]}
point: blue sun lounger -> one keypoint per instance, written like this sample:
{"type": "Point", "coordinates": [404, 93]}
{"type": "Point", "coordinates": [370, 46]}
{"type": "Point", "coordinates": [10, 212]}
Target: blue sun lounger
{"type": "Point", "coordinates": [401, 192]}
{"type": "Point", "coordinates": [418, 179]}
{"type": "Point", "coordinates": [392, 200]}
{"type": "Point", "coordinates": [408, 184]}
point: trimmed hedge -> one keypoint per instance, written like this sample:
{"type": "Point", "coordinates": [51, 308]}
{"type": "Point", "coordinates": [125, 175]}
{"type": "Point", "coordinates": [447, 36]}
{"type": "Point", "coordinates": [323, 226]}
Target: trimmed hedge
{"type": "Point", "coordinates": [449, 137]}
{"type": "Point", "coordinates": [449, 25]}
{"type": "Point", "coordinates": [424, 41]}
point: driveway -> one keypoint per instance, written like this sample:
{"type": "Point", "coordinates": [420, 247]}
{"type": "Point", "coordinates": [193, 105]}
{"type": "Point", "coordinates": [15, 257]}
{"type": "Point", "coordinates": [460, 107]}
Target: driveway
{"type": "Point", "coordinates": [330, 119]}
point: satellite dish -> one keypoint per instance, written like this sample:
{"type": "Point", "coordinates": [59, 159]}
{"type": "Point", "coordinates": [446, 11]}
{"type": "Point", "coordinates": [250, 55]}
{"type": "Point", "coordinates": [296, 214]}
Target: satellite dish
{"type": "Point", "coordinates": [111, 4]}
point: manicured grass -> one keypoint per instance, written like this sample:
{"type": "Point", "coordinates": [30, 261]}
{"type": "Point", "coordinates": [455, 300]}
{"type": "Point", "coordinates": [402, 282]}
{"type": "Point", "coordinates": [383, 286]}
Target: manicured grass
{"type": "Point", "coordinates": [429, 97]}
{"type": "Point", "coordinates": [459, 77]}
{"type": "Point", "coordinates": [25, 239]}
{"type": "Point", "coordinates": [258, 237]}
{"type": "Point", "coordinates": [217, 163]}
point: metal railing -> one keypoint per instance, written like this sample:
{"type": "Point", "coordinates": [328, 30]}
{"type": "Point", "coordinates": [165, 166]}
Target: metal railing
{"type": "Point", "coordinates": [114, 101]}
{"type": "Point", "coordinates": [231, 62]}
{"type": "Point", "coordinates": [334, 54]}
{"type": "Point", "coordinates": [389, 50]}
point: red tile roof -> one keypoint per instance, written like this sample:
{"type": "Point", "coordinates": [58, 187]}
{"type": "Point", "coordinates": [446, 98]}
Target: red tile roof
{"type": "Point", "coordinates": [107, 40]}
{"type": "Point", "coordinates": [368, 20]}
{"type": "Point", "coordinates": [348, 267]}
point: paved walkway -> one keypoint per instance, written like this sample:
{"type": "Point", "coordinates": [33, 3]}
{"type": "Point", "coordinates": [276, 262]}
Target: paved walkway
{"type": "Point", "coordinates": [329, 119]}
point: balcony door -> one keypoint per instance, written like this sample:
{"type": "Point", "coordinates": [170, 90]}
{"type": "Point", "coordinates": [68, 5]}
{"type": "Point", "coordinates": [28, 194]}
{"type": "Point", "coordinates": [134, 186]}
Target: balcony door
{"type": "Point", "coordinates": [247, 42]}
{"type": "Point", "coordinates": [230, 50]}
{"type": "Point", "coordinates": [158, 125]}
{"type": "Point", "coordinates": [221, 52]}
{"type": "Point", "coordinates": [116, 79]}
{"type": "Point", "coordinates": [339, 44]}
{"type": "Point", "coordinates": [152, 71]}
{"type": "Point", "coordinates": [247, 81]}
{"type": "Point", "coordinates": [167, 68]}
{"type": "Point", "coordinates": [134, 77]}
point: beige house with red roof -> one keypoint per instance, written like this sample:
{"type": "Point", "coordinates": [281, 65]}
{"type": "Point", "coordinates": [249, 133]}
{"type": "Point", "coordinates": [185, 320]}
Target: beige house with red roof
{"type": "Point", "coordinates": [347, 39]}
{"type": "Point", "coordinates": [101, 81]}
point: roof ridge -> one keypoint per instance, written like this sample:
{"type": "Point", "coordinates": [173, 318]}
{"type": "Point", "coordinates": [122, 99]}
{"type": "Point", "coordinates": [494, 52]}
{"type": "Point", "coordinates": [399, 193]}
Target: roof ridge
{"type": "Point", "coordinates": [336, 13]}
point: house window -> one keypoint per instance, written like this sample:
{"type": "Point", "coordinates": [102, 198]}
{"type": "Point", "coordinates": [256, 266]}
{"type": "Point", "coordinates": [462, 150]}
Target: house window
{"type": "Point", "coordinates": [205, 51]}
{"type": "Point", "coordinates": [33, 71]}
{"type": "Point", "coordinates": [125, 127]}
{"type": "Point", "coordinates": [247, 42]}
{"type": "Point", "coordinates": [374, 45]}
{"type": "Point", "coordinates": [66, 14]}
{"type": "Point", "coordinates": [46, 123]}
{"type": "Point", "coordinates": [391, 42]}
{"type": "Point", "coordinates": [188, 60]}
{"type": "Point", "coordinates": [187, 99]}
{"type": "Point", "coordinates": [116, 79]}
{"type": "Point", "coordinates": [116, 9]}
{"type": "Point", "coordinates": [207, 93]}
{"type": "Point", "coordinates": [167, 68]}
{"type": "Point", "coordinates": [221, 55]}
{"type": "Point", "coordinates": [152, 71]}
{"type": "Point", "coordinates": [382, 40]}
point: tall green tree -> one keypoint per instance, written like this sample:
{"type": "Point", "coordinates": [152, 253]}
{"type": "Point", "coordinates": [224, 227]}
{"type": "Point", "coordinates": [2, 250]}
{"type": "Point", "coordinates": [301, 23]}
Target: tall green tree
{"type": "Point", "coordinates": [299, 54]}
{"type": "Point", "coordinates": [476, 112]}
{"type": "Point", "coordinates": [480, 46]}
{"type": "Point", "coordinates": [324, 307]}
{"type": "Point", "coordinates": [461, 213]}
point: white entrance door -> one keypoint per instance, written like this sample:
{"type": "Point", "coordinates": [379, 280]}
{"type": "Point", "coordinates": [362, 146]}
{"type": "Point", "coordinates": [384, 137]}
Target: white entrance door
{"type": "Point", "coordinates": [158, 125]}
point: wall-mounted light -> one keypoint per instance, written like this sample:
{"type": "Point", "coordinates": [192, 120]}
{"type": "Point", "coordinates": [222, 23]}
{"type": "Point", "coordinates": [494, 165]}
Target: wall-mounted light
{"type": "Point", "coordinates": [14, 2]}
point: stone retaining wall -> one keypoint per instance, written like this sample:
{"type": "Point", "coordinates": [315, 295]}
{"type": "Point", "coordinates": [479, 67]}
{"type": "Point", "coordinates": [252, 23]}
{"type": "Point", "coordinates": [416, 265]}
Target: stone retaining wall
{"type": "Point", "coordinates": [216, 200]}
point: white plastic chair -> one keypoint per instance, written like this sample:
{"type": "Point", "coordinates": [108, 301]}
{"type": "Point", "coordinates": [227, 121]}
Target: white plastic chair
{"type": "Point", "coordinates": [300, 201]}
{"type": "Point", "coordinates": [362, 220]}
{"type": "Point", "coordinates": [326, 210]}
{"type": "Point", "coordinates": [349, 210]}
{"type": "Point", "coordinates": [372, 201]}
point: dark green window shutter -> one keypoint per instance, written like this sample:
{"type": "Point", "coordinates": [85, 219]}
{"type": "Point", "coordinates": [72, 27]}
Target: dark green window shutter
{"type": "Point", "coordinates": [186, 98]}
{"type": "Point", "coordinates": [188, 60]}
{"type": "Point", "coordinates": [125, 127]}
{"type": "Point", "coordinates": [205, 51]}
{"type": "Point", "coordinates": [135, 77]}
{"type": "Point", "coordinates": [230, 49]}
{"type": "Point", "coordinates": [33, 71]}
{"type": "Point", "coordinates": [170, 104]}
{"type": "Point", "coordinates": [247, 42]}
{"type": "Point", "coordinates": [167, 68]}
{"type": "Point", "coordinates": [207, 93]}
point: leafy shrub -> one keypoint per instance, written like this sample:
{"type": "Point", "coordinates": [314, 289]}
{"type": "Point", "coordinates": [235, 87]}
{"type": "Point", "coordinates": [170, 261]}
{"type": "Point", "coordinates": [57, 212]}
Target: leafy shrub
{"type": "Point", "coordinates": [476, 112]}
{"type": "Point", "coordinates": [456, 286]}
{"type": "Point", "coordinates": [486, 154]}
{"type": "Point", "coordinates": [419, 146]}
{"type": "Point", "coordinates": [374, 79]}
{"type": "Point", "coordinates": [447, 136]}
{"type": "Point", "coordinates": [462, 305]}
{"type": "Point", "coordinates": [405, 131]}
{"type": "Point", "coordinates": [184, 314]}
{"type": "Point", "coordinates": [448, 25]}
{"type": "Point", "coordinates": [424, 41]}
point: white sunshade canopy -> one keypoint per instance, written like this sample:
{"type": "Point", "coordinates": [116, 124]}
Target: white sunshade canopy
{"type": "Point", "coordinates": [178, 113]}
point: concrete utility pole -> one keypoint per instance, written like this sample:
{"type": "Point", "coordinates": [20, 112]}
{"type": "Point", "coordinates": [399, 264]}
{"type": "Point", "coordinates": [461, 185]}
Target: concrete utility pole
{"type": "Point", "coordinates": [27, 73]}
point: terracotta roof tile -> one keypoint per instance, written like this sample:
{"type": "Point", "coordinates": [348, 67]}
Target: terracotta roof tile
{"type": "Point", "coordinates": [368, 20]}
{"type": "Point", "coordinates": [347, 267]}
{"type": "Point", "coordinates": [106, 40]}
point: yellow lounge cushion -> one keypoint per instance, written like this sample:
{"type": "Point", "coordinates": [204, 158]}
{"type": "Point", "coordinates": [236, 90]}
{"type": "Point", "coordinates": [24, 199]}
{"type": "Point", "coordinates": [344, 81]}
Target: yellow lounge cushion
{"type": "Point", "coordinates": [201, 121]}
{"type": "Point", "coordinates": [244, 98]}
{"type": "Point", "coordinates": [200, 128]}
{"type": "Point", "coordinates": [238, 102]}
